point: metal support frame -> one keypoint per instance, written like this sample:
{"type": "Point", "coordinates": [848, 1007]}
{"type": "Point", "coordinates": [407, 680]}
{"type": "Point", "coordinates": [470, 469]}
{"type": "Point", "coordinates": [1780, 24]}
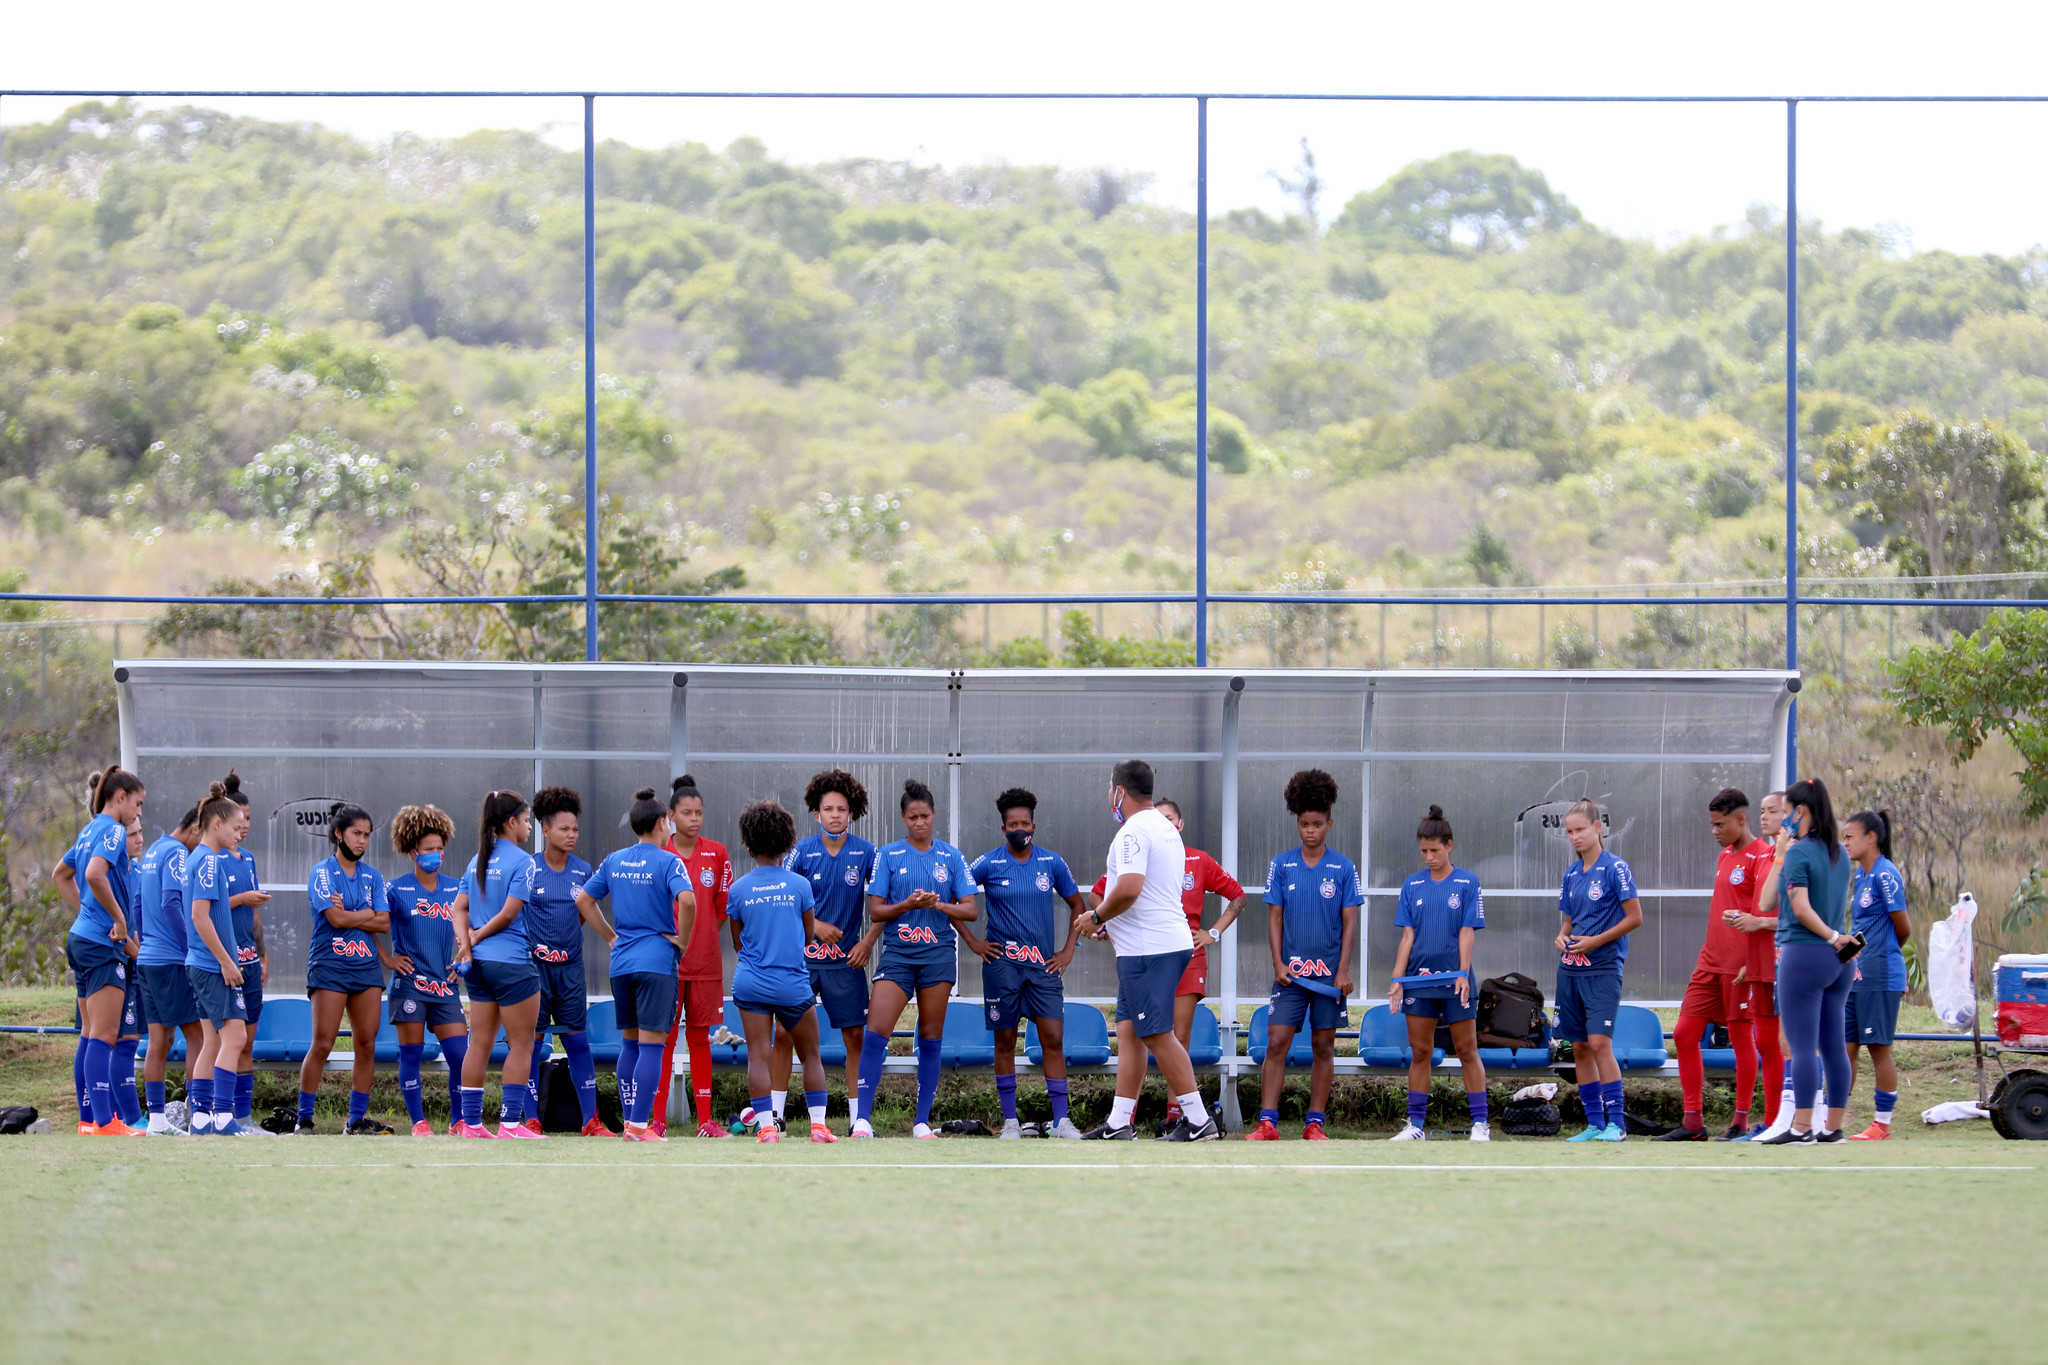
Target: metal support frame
{"type": "Point", "coordinates": [1233, 701]}
{"type": "Point", "coordinates": [590, 540]}
{"type": "Point", "coordinates": [1792, 426]}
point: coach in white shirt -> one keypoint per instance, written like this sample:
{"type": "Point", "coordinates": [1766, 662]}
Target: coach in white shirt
{"type": "Point", "coordinates": [1141, 912]}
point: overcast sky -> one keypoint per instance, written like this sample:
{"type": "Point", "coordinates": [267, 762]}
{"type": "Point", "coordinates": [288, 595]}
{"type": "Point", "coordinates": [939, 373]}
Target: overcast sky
{"type": "Point", "coordinates": [1964, 178]}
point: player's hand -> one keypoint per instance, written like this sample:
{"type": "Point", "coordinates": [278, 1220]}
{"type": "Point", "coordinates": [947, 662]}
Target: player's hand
{"type": "Point", "coordinates": [858, 954]}
{"type": "Point", "coordinates": [1281, 975]}
{"type": "Point", "coordinates": [231, 974]}
{"type": "Point", "coordinates": [1563, 938]}
{"type": "Point", "coordinates": [1580, 943]}
{"type": "Point", "coordinates": [1750, 924]}
{"type": "Point", "coordinates": [922, 900]}
{"type": "Point", "coordinates": [1741, 975]}
{"type": "Point", "coordinates": [460, 960]}
{"type": "Point", "coordinates": [983, 949]}
{"type": "Point", "coordinates": [401, 962]}
{"type": "Point", "coordinates": [1394, 994]}
{"type": "Point", "coordinates": [1464, 989]}
{"type": "Point", "coordinates": [1060, 959]}
{"type": "Point", "coordinates": [1344, 984]}
{"type": "Point", "coordinates": [828, 933]}
{"type": "Point", "coordinates": [118, 932]}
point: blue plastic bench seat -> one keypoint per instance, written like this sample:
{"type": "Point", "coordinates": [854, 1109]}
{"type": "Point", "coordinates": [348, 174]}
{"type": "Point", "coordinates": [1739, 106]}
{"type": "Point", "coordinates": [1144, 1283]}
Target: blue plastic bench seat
{"type": "Point", "coordinates": [605, 1038]}
{"type": "Point", "coordinates": [1205, 1039]}
{"type": "Point", "coordinates": [967, 1040]}
{"type": "Point", "coordinates": [731, 1054]}
{"type": "Point", "coordinates": [1299, 1053]}
{"type": "Point", "coordinates": [1084, 1037]}
{"type": "Point", "coordinates": [285, 1032]}
{"type": "Point", "coordinates": [1383, 1039]}
{"type": "Point", "coordinates": [1638, 1039]}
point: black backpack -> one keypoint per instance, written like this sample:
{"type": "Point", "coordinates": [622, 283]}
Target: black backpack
{"type": "Point", "coordinates": [559, 1110]}
{"type": "Point", "coordinates": [16, 1118]}
{"type": "Point", "coordinates": [1511, 1012]}
{"type": "Point", "coordinates": [1529, 1118]}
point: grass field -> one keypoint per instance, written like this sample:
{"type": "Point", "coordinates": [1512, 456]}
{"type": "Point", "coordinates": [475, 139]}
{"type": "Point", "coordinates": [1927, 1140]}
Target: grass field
{"type": "Point", "coordinates": [348, 1249]}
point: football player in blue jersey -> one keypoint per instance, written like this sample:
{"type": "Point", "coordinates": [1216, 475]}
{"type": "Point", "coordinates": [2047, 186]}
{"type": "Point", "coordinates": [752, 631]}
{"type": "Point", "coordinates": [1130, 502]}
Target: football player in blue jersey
{"type": "Point", "coordinates": [837, 863]}
{"type": "Point", "coordinates": [121, 1069]}
{"type": "Point", "coordinates": [346, 898]}
{"type": "Point", "coordinates": [920, 889]}
{"type": "Point", "coordinates": [554, 926]}
{"type": "Point", "coordinates": [210, 969]}
{"type": "Point", "coordinates": [1877, 899]}
{"type": "Point", "coordinates": [167, 995]}
{"type": "Point", "coordinates": [1020, 974]}
{"type": "Point", "coordinates": [770, 911]}
{"type": "Point", "coordinates": [425, 991]}
{"type": "Point", "coordinates": [1312, 929]}
{"type": "Point", "coordinates": [246, 899]}
{"type": "Point", "coordinates": [1598, 909]}
{"type": "Point", "coordinates": [1440, 913]}
{"type": "Point", "coordinates": [97, 944]}
{"type": "Point", "coordinates": [504, 989]}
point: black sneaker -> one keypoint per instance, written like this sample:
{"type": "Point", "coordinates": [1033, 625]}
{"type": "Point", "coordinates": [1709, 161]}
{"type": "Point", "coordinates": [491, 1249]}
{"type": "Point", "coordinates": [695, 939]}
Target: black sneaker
{"type": "Point", "coordinates": [1682, 1134]}
{"type": "Point", "coordinates": [304, 1128]}
{"type": "Point", "coordinates": [1102, 1132]}
{"type": "Point", "coordinates": [282, 1120]}
{"type": "Point", "coordinates": [1183, 1131]}
{"type": "Point", "coordinates": [368, 1127]}
{"type": "Point", "coordinates": [1832, 1135]}
{"type": "Point", "coordinates": [1163, 1127]}
{"type": "Point", "coordinates": [1736, 1133]}
{"type": "Point", "coordinates": [1791, 1137]}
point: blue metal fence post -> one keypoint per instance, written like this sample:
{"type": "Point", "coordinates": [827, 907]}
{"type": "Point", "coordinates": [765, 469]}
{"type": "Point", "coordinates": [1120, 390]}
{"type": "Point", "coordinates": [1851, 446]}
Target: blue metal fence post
{"type": "Point", "coordinates": [1792, 426]}
{"type": "Point", "coordinates": [1202, 382]}
{"type": "Point", "coordinates": [590, 378]}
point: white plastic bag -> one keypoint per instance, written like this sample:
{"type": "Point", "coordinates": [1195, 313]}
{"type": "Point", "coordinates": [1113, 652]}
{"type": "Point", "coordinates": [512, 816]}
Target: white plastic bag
{"type": "Point", "coordinates": [1546, 1092]}
{"type": "Point", "coordinates": [1953, 1110]}
{"type": "Point", "coordinates": [1950, 958]}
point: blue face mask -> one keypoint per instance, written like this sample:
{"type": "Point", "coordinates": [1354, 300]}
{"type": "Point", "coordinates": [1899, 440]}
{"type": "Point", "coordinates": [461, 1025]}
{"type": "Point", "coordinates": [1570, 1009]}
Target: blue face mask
{"type": "Point", "coordinates": [429, 862]}
{"type": "Point", "coordinates": [1116, 809]}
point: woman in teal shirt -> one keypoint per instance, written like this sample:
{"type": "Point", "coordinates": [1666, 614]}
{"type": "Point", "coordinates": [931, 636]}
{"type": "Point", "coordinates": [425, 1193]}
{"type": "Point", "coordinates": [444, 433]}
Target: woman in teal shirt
{"type": "Point", "coordinates": [1813, 977]}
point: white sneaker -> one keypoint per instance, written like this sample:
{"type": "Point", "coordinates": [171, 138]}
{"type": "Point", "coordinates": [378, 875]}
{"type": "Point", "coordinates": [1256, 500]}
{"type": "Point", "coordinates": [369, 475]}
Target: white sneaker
{"type": "Point", "coordinates": [1409, 1133]}
{"type": "Point", "coordinates": [160, 1125]}
{"type": "Point", "coordinates": [923, 1130]}
{"type": "Point", "coordinates": [1011, 1129]}
{"type": "Point", "coordinates": [861, 1129]}
{"type": "Point", "coordinates": [1065, 1129]}
{"type": "Point", "coordinates": [1481, 1133]}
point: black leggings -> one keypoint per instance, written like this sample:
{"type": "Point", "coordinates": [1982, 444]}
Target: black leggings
{"type": "Point", "coordinates": [1813, 991]}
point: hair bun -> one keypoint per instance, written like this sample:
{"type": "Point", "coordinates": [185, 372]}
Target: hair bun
{"type": "Point", "coordinates": [215, 791]}
{"type": "Point", "coordinates": [1436, 812]}
{"type": "Point", "coordinates": [644, 794]}
{"type": "Point", "coordinates": [683, 783]}
{"type": "Point", "coordinates": [232, 783]}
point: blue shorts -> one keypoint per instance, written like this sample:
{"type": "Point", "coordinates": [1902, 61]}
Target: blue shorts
{"type": "Point", "coordinates": [1145, 988]}
{"type": "Point", "coordinates": [845, 993]}
{"type": "Point", "coordinates": [420, 999]}
{"type": "Point", "coordinates": [914, 976]}
{"type": "Point", "coordinates": [134, 1012]}
{"type": "Point", "coordinates": [218, 1001]}
{"type": "Point", "coordinates": [564, 1000]}
{"type": "Point", "coordinates": [789, 1016]}
{"type": "Point", "coordinates": [1443, 1007]}
{"type": "Point", "coordinates": [168, 995]}
{"type": "Point", "coordinates": [252, 989]}
{"type": "Point", "coordinates": [503, 983]}
{"type": "Point", "coordinates": [1014, 992]}
{"type": "Point", "coordinates": [1290, 1005]}
{"type": "Point", "coordinates": [645, 1002]}
{"type": "Point", "coordinates": [1587, 1005]}
{"type": "Point", "coordinates": [1872, 1018]}
{"type": "Point", "coordinates": [97, 964]}
{"type": "Point", "coordinates": [349, 977]}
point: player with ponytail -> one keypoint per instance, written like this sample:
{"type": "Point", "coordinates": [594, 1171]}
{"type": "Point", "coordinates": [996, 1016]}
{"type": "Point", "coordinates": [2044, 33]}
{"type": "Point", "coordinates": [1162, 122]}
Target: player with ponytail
{"type": "Point", "coordinates": [700, 1003]}
{"type": "Point", "coordinates": [1440, 914]}
{"type": "Point", "coordinates": [246, 899]}
{"type": "Point", "coordinates": [212, 972]}
{"type": "Point", "coordinates": [96, 947]}
{"type": "Point", "coordinates": [1878, 900]}
{"type": "Point", "coordinates": [346, 898]}
{"type": "Point", "coordinates": [426, 988]}
{"type": "Point", "coordinates": [1598, 909]}
{"type": "Point", "coordinates": [504, 988]}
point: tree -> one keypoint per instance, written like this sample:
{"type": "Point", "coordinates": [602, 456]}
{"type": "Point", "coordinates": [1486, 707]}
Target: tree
{"type": "Point", "coordinates": [1489, 558]}
{"type": "Point", "coordinates": [1468, 200]}
{"type": "Point", "coordinates": [1994, 682]}
{"type": "Point", "coordinates": [1304, 187]}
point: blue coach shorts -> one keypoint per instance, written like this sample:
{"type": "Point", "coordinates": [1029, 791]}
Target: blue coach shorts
{"type": "Point", "coordinates": [252, 989]}
{"type": "Point", "coordinates": [789, 1016]}
{"type": "Point", "coordinates": [1290, 1006]}
{"type": "Point", "coordinates": [1145, 988]}
{"type": "Point", "coordinates": [168, 995]}
{"type": "Point", "coordinates": [1443, 1007]}
{"type": "Point", "coordinates": [134, 1009]}
{"type": "Point", "coordinates": [914, 976]}
{"type": "Point", "coordinates": [564, 998]}
{"type": "Point", "coordinates": [1587, 1004]}
{"type": "Point", "coordinates": [844, 991]}
{"type": "Point", "coordinates": [421, 999]}
{"type": "Point", "coordinates": [1872, 1018]}
{"type": "Point", "coordinates": [343, 977]}
{"type": "Point", "coordinates": [218, 1001]}
{"type": "Point", "coordinates": [645, 1001]}
{"type": "Point", "coordinates": [503, 983]}
{"type": "Point", "coordinates": [1015, 991]}
{"type": "Point", "coordinates": [96, 964]}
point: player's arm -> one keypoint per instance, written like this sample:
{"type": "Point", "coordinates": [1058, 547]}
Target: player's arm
{"type": "Point", "coordinates": [1564, 919]}
{"type": "Point", "coordinates": [732, 926]}
{"type": "Point", "coordinates": [458, 915]}
{"type": "Point", "coordinates": [1895, 906]}
{"type": "Point", "coordinates": [502, 921]}
{"type": "Point", "coordinates": [882, 912]}
{"type": "Point", "coordinates": [202, 924]}
{"type": "Point", "coordinates": [1631, 920]}
{"type": "Point", "coordinates": [1231, 911]}
{"type": "Point", "coordinates": [393, 960]}
{"type": "Point", "coordinates": [262, 946]}
{"type": "Point", "coordinates": [1274, 916]}
{"type": "Point", "coordinates": [1348, 953]}
{"type": "Point", "coordinates": [1077, 905]}
{"type": "Point", "coordinates": [65, 878]}
{"type": "Point", "coordinates": [976, 944]}
{"type": "Point", "coordinates": [1401, 951]}
{"type": "Point", "coordinates": [587, 911]}
{"type": "Point", "coordinates": [1467, 937]}
{"type": "Point", "coordinates": [96, 878]}
{"type": "Point", "coordinates": [686, 916]}
{"type": "Point", "coordinates": [860, 952]}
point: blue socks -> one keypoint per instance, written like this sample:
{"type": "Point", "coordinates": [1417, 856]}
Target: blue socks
{"type": "Point", "coordinates": [1312, 1116]}
{"type": "Point", "coordinates": [473, 1106]}
{"type": "Point", "coordinates": [1268, 1116]}
{"type": "Point", "coordinates": [583, 1071]}
{"type": "Point", "coordinates": [154, 1091]}
{"type": "Point", "coordinates": [78, 1085]}
{"type": "Point", "coordinates": [927, 1076]}
{"type": "Point", "coordinates": [1612, 1103]}
{"type": "Point", "coordinates": [1056, 1091]}
{"type": "Point", "coordinates": [815, 1101]}
{"type": "Point", "coordinates": [305, 1106]}
{"type": "Point", "coordinates": [512, 1107]}
{"type": "Point", "coordinates": [245, 1093]}
{"type": "Point", "coordinates": [121, 1073]}
{"type": "Point", "coordinates": [358, 1104]}
{"type": "Point", "coordinates": [409, 1055]}
{"type": "Point", "coordinates": [99, 1090]}
{"type": "Point", "coordinates": [541, 1052]}
{"type": "Point", "coordinates": [223, 1100]}
{"type": "Point", "coordinates": [1006, 1090]}
{"type": "Point", "coordinates": [455, 1048]}
{"type": "Point", "coordinates": [198, 1099]}
{"type": "Point", "coordinates": [647, 1081]}
{"type": "Point", "coordinates": [873, 1048]}
{"type": "Point", "coordinates": [1418, 1108]}
{"type": "Point", "coordinates": [1887, 1101]}
{"type": "Point", "coordinates": [629, 1061]}
{"type": "Point", "coordinates": [1475, 1104]}
{"type": "Point", "coordinates": [762, 1113]}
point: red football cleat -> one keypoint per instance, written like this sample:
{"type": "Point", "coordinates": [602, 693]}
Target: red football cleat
{"type": "Point", "coordinates": [820, 1133]}
{"type": "Point", "coordinates": [532, 1125]}
{"type": "Point", "coordinates": [711, 1128]}
{"type": "Point", "coordinates": [596, 1128]}
{"type": "Point", "coordinates": [116, 1128]}
{"type": "Point", "coordinates": [423, 1129]}
{"type": "Point", "coordinates": [642, 1133]}
{"type": "Point", "coordinates": [1264, 1132]}
{"type": "Point", "coordinates": [1313, 1132]}
{"type": "Point", "coordinates": [1876, 1132]}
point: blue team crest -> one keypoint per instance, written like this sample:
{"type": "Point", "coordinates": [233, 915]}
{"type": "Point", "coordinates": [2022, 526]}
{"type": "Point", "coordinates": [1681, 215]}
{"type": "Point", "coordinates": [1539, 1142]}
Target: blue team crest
{"type": "Point", "coordinates": [1455, 901]}
{"type": "Point", "coordinates": [1187, 881]}
{"type": "Point", "coordinates": [1735, 877]}
{"type": "Point", "coordinates": [412, 1007]}
{"type": "Point", "coordinates": [121, 972]}
{"type": "Point", "coordinates": [1329, 888]}
{"type": "Point", "coordinates": [705, 876]}
{"type": "Point", "coordinates": [1593, 892]}
{"type": "Point", "coordinates": [1045, 884]}
{"type": "Point", "coordinates": [940, 875]}
{"type": "Point", "coordinates": [852, 876]}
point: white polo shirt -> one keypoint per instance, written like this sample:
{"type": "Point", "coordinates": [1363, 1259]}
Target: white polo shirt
{"type": "Point", "coordinates": [1149, 844]}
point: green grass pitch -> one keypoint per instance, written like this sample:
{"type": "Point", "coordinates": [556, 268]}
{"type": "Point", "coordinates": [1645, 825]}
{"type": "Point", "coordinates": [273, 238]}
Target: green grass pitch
{"type": "Point", "coordinates": [356, 1249]}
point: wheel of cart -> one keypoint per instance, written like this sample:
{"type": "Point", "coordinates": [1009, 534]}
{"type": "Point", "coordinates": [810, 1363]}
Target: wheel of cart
{"type": "Point", "coordinates": [2019, 1106]}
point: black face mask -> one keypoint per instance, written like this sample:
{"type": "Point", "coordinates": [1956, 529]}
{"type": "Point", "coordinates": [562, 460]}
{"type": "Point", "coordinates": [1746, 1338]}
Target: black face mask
{"type": "Point", "coordinates": [1019, 839]}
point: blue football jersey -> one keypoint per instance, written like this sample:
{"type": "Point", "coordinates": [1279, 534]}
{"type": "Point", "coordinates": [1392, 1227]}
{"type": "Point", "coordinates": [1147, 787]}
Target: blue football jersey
{"type": "Point", "coordinates": [769, 905]}
{"type": "Point", "coordinates": [423, 924]}
{"type": "Point", "coordinates": [920, 936]}
{"type": "Point", "coordinates": [1311, 899]}
{"type": "Point", "coordinates": [1591, 898]}
{"type": "Point", "coordinates": [1877, 893]}
{"type": "Point", "coordinates": [553, 926]}
{"type": "Point", "coordinates": [362, 891]}
{"type": "Point", "coordinates": [1026, 901]}
{"type": "Point", "coordinates": [839, 891]}
{"type": "Point", "coordinates": [1437, 911]}
{"type": "Point", "coordinates": [642, 882]}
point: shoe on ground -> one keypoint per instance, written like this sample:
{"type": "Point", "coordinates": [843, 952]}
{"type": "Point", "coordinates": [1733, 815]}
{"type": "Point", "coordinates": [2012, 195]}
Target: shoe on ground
{"type": "Point", "coordinates": [521, 1132]}
{"type": "Point", "coordinates": [596, 1128]}
{"type": "Point", "coordinates": [1735, 1133]}
{"type": "Point", "coordinates": [161, 1126]}
{"type": "Point", "coordinates": [1409, 1133]}
{"type": "Point", "coordinates": [232, 1129]}
{"type": "Point", "coordinates": [1682, 1134]}
{"type": "Point", "coordinates": [1613, 1132]}
{"type": "Point", "coordinates": [1876, 1132]}
{"type": "Point", "coordinates": [769, 1133]}
{"type": "Point", "coordinates": [1165, 1125]}
{"type": "Point", "coordinates": [1586, 1134]}
{"type": "Point", "coordinates": [116, 1128]}
{"type": "Point", "coordinates": [304, 1128]}
{"type": "Point", "coordinates": [710, 1128]}
{"type": "Point", "coordinates": [535, 1125]}
{"type": "Point", "coordinates": [1263, 1131]}
{"type": "Point", "coordinates": [423, 1129]}
{"type": "Point", "coordinates": [471, 1130]}
{"type": "Point", "coordinates": [1313, 1132]}
{"type": "Point", "coordinates": [1481, 1132]}
{"type": "Point", "coordinates": [861, 1129]}
{"type": "Point", "coordinates": [820, 1133]}
{"type": "Point", "coordinates": [642, 1132]}
{"type": "Point", "coordinates": [1102, 1132]}
{"type": "Point", "coordinates": [1065, 1129]}
{"type": "Point", "coordinates": [1829, 1135]}
{"type": "Point", "coordinates": [1011, 1130]}
{"type": "Point", "coordinates": [368, 1127]}
{"type": "Point", "coordinates": [658, 1127]}
{"type": "Point", "coordinates": [923, 1132]}
{"type": "Point", "coordinates": [1791, 1137]}
{"type": "Point", "coordinates": [87, 1128]}
{"type": "Point", "coordinates": [1184, 1131]}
